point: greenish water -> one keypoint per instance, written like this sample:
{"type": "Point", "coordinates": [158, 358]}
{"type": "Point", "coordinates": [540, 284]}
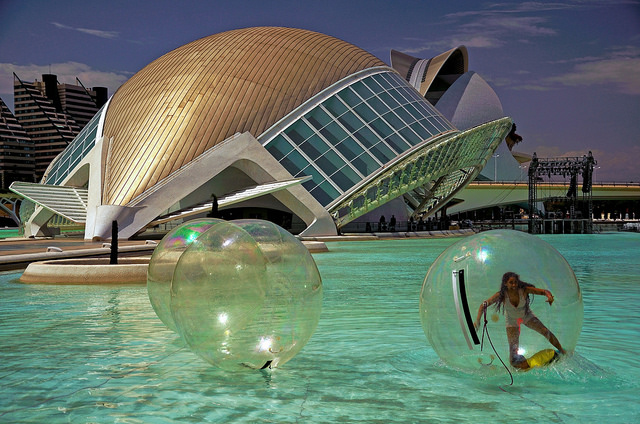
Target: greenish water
{"type": "Point", "coordinates": [99, 354]}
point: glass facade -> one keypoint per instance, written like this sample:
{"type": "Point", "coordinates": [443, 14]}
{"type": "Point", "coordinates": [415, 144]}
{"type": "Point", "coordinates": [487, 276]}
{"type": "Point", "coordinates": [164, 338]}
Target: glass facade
{"type": "Point", "coordinates": [78, 149]}
{"type": "Point", "coordinates": [353, 133]}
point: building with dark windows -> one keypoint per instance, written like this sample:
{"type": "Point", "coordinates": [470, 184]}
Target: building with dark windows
{"type": "Point", "coordinates": [16, 150]}
{"type": "Point", "coordinates": [52, 114]}
{"type": "Point", "coordinates": [279, 123]}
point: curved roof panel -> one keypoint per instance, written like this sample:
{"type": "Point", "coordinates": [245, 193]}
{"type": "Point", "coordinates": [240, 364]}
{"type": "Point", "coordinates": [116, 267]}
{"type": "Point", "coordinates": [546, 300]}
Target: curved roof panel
{"type": "Point", "coordinates": [432, 77]}
{"type": "Point", "coordinates": [199, 94]}
{"type": "Point", "coordinates": [469, 102]}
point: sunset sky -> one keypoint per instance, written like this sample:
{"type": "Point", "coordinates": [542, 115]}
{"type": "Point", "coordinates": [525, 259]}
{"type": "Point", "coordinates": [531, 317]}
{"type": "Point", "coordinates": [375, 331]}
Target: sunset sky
{"type": "Point", "coordinates": [567, 72]}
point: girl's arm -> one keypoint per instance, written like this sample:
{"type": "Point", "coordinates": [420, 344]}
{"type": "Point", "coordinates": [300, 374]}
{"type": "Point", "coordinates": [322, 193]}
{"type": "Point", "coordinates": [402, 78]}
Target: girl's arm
{"type": "Point", "coordinates": [541, 292]}
{"type": "Point", "coordinates": [493, 299]}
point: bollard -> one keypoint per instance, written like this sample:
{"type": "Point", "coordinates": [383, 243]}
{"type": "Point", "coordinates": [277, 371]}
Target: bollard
{"type": "Point", "coordinates": [114, 243]}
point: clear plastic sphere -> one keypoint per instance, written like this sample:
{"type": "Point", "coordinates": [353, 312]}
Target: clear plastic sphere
{"type": "Point", "coordinates": [163, 262]}
{"type": "Point", "coordinates": [246, 293]}
{"type": "Point", "coordinates": [449, 302]}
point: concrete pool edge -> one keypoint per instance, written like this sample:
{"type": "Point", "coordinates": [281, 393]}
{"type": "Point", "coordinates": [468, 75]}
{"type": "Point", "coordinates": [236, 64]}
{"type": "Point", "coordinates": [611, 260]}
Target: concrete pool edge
{"type": "Point", "coordinates": [87, 271]}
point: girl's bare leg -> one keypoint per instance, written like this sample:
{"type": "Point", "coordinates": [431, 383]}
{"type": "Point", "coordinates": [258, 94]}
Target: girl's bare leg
{"type": "Point", "coordinates": [537, 325]}
{"type": "Point", "coordinates": [513, 337]}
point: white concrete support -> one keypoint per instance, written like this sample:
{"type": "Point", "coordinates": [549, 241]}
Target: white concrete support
{"type": "Point", "coordinates": [241, 151]}
{"type": "Point", "coordinates": [36, 225]}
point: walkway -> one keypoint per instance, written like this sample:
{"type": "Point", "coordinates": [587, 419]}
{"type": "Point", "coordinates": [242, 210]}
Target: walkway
{"type": "Point", "coordinates": [17, 253]}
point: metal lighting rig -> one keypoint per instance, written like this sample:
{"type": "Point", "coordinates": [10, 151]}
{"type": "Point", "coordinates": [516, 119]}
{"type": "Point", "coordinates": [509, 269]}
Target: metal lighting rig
{"type": "Point", "coordinates": [566, 166]}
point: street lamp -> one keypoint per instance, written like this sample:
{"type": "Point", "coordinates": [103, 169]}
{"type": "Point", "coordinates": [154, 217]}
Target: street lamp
{"type": "Point", "coordinates": [522, 168]}
{"type": "Point", "coordinates": [495, 167]}
{"type": "Point", "coordinates": [594, 174]}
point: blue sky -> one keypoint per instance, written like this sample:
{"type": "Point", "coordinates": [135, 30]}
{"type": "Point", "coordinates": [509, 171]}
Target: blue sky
{"type": "Point", "coordinates": [567, 72]}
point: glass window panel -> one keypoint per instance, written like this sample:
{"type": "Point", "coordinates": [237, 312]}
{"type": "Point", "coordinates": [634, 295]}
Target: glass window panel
{"type": "Point", "coordinates": [436, 123]}
{"type": "Point", "coordinates": [413, 111]}
{"type": "Point", "coordinates": [365, 112]}
{"type": "Point", "coordinates": [393, 120]}
{"type": "Point", "coordinates": [318, 118]}
{"type": "Point", "coordinates": [382, 81]}
{"type": "Point", "coordinates": [389, 100]}
{"type": "Point", "coordinates": [345, 178]}
{"type": "Point", "coordinates": [429, 126]}
{"type": "Point", "coordinates": [410, 136]}
{"type": "Point", "coordinates": [381, 128]}
{"type": "Point", "coordinates": [391, 80]}
{"type": "Point", "coordinates": [323, 198]}
{"type": "Point", "coordinates": [422, 106]}
{"type": "Point", "coordinates": [333, 133]}
{"type": "Point", "coordinates": [436, 126]}
{"type": "Point", "coordinates": [316, 176]}
{"type": "Point", "coordinates": [349, 97]}
{"type": "Point", "coordinates": [397, 143]}
{"type": "Point", "coordinates": [445, 124]}
{"type": "Point", "coordinates": [410, 93]}
{"type": "Point", "coordinates": [314, 147]}
{"type": "Point", "coordinates": [334, 106]}
{"type": "Point", "coordinates": [350, 122]}
{"type": "Point", "coordinates": [294, 162]}
{"type": "Point", "coordinates": [404, 115]}
{"type": "Point", "coordinates": [334, 158]}
{"type": "Point", "coordinates": [299, 132]}
{"type": "Point", "coordinates": [420, 130]}
{"type": "Point", "coordinates": [362, 90]}
{"type": "Point", "coordinates": [398, 97]}
{"type": "Point", "coordinates": [279, 147]}
{"type": "Point", "coordinates": [309, 184]}
{"type": "Point", "coordinates": [325, 193]}
{"type": "Point", "coordinates": [349, 149]}
{"type": "Point", "coordinates": [367, 137]}
{"type": "Point", "coordinates": [382, 152]}
{"type": "Point", "coordinates": [365, 164]}
{"type": "Point", "coordinates": [373, 85]}
{"type": "Point", "coordinates": [327, 165]}
{"type": "Point", "coordinates": [378, 106]}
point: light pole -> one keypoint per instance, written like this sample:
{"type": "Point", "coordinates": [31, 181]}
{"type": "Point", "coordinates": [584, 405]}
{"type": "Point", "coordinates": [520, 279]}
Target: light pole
{"type": "Point", "coordinates": [522, 168]}
{"type": "Point", "coordinates": [495, 167]}
{"type": "Point", "coordinates": [594, 174]}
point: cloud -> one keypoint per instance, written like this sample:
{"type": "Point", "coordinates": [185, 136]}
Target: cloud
{"type": "Point", "coordinates": [66, 72]}
{"type": "Point", "coordinates": [95, 32]}
{"type": "Point", "coordinates": [489, 28]}
{"type": "Point", "coordinates": [618, 69]}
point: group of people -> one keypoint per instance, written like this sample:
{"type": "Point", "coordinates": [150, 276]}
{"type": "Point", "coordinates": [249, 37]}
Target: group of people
{"type": "Point", "coordinates": [382, 224]}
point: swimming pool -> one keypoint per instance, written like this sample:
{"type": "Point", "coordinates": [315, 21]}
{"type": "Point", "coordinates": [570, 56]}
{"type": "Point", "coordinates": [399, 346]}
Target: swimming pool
{"type": "Point", "coordinates": [100, 354]}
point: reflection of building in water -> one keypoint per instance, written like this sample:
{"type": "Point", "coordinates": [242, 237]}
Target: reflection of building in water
{"type": "Point", "coordinates": [280, 123]}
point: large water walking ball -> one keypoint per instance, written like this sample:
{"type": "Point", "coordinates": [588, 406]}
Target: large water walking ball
{"type": "Point", "coordinates": [246, 293]}
{"type": "Point", "coordinates": [469, 272]}
{"type": "Point", "coordinates": [163, 262]}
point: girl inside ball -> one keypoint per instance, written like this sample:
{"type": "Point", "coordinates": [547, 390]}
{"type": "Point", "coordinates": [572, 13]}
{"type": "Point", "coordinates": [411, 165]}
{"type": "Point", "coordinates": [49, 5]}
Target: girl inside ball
{"type": "Point", "coordinates": [514, 299]}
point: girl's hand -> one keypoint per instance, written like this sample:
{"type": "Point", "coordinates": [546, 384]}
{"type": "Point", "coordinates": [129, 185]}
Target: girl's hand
{"type": "Point", "coordinates": [549, 297]}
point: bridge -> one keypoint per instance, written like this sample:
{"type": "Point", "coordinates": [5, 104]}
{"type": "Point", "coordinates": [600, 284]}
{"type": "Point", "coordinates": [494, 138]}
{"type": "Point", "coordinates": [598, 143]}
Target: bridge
{"type": "Point", "coordinates": [477, 195]}
{"type": "Point", "coordinates": [485, 194]}
{"type": "Point", "coordinates": [8, 202]}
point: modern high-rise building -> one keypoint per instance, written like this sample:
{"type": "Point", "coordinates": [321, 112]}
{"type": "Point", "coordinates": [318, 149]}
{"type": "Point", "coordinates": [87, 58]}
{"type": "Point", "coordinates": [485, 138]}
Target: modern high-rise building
{"type": "Point", "coordinates": [16, 150]}
{"type": "Point", "coordinates": [292, 122]}
{"type": "Point", "coordinates": [52, 114]}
